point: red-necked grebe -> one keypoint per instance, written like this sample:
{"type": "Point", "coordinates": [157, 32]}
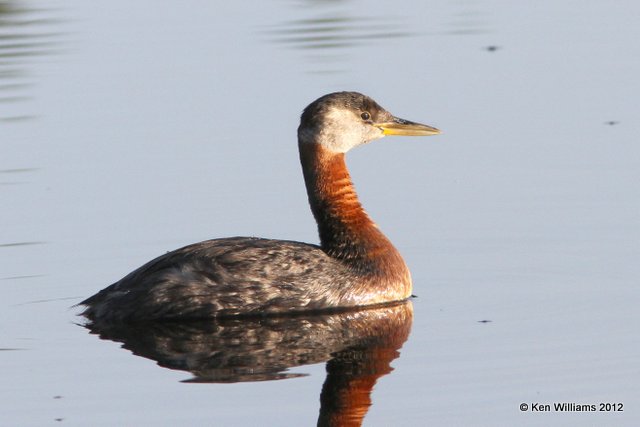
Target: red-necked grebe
{"type": "Point", "coordinates": [355, 264]}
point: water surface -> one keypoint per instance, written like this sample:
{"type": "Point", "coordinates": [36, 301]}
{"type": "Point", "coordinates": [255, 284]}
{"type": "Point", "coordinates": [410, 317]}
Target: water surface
{"type": "Point", "coordinates": [129, 129]}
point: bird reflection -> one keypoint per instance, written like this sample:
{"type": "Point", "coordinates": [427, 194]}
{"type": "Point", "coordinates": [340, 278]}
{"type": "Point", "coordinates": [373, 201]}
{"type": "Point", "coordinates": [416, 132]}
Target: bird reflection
{"type": "Point", "coordinates": [358, 347]}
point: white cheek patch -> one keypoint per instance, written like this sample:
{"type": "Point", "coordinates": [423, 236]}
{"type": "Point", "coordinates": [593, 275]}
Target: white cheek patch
{"type": "Point", "coordinates": [341, 130]}
{"type": "Point", "coordinates": [344, 130]}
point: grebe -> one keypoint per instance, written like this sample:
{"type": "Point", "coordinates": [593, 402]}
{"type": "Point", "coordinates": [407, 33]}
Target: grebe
{"type": "Point", "coordinates": [355, 264]}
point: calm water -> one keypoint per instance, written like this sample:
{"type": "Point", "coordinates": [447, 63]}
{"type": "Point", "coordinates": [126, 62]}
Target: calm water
{"type": "Point", "coordinates": [129, 129]}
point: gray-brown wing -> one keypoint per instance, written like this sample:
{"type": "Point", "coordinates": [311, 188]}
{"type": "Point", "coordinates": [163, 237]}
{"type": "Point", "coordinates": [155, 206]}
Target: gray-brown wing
{"type": "Point", "coordinates": [225, 277]}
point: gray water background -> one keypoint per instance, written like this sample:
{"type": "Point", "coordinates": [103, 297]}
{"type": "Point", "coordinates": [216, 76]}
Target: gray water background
{"type": "Point", "coordinates": [131, 128]}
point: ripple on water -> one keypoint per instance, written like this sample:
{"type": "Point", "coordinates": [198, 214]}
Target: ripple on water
{"type": "Point", "coordinates": [26, 34]}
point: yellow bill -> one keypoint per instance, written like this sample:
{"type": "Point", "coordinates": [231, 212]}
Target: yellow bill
{"type": "Point", "coordinates": [406, 128]}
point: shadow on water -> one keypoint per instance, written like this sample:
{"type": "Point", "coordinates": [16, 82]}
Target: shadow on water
{"type": "Point", "coordinates": [357, 346]}
{"type": "Point", "coordinates": [25, 34]}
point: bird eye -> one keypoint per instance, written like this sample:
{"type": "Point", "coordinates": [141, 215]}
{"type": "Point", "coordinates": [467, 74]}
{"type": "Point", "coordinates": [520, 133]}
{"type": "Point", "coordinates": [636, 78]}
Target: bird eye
{"type": "Point", "coordinates": [365, 116]}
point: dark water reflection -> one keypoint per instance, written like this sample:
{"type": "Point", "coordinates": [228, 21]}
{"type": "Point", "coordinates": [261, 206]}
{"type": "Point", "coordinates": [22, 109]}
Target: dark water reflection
{"type": "Point", "coordinates": [357, 346]}
{"type": "Point", "coordinates": [15, 176]}
{"type": "Point", "coordinates": [329, 32]}
{"type": "Point", "coordinates": [25, 34]}
{"type": "Point", "coordinates": [330, 29]}
{"type": "Point", "coordinates": [335, 32]}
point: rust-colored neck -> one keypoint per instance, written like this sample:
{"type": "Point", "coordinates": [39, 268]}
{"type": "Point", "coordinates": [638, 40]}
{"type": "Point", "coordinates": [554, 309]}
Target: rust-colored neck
{"type": "Point", "coordinates": [346, 231]}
